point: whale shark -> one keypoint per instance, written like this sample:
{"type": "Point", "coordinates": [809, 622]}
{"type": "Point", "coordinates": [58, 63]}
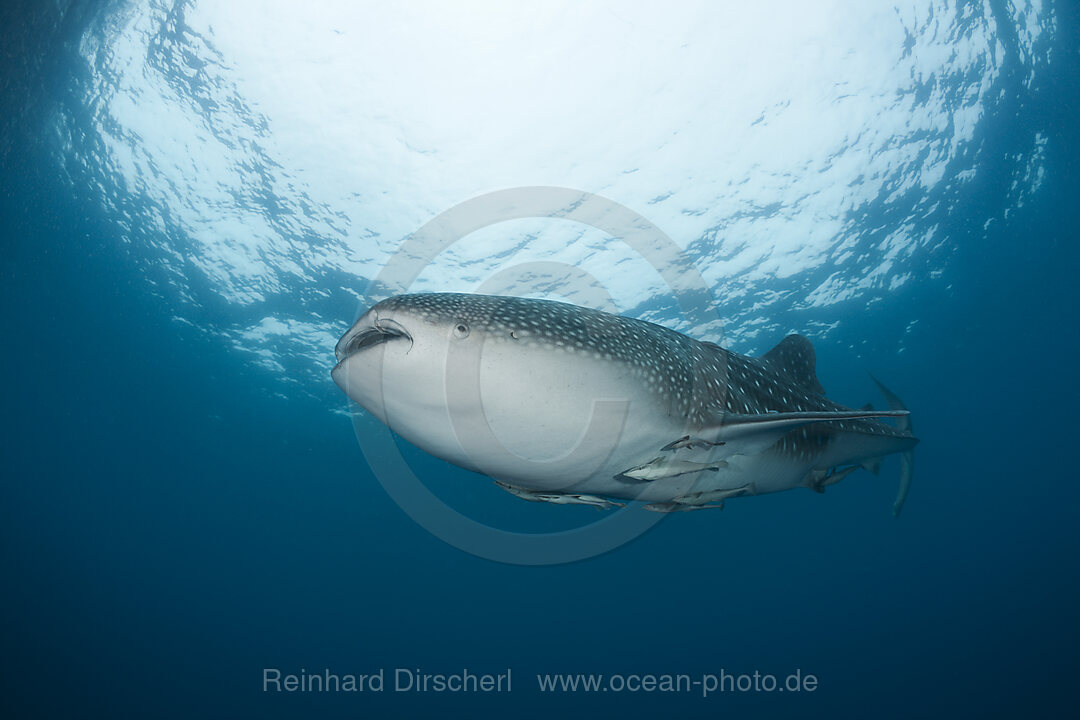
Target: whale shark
{"type": "Point", "coordinates": [570, 405]}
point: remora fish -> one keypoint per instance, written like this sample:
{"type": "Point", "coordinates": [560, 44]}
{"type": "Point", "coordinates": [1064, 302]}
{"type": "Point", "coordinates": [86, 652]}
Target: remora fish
{"type": "Point", "coordinates": [666, 467]}
{"type": "Point", "coordinates": [558, 402]}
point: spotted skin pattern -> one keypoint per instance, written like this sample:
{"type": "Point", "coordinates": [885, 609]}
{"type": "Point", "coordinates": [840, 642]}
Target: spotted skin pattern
{"type": "Point", "coordinates": [696, 380]}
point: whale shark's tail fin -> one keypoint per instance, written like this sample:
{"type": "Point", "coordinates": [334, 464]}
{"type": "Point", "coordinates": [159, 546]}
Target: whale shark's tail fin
{"type": "Point", "coordinates": [907, 458]}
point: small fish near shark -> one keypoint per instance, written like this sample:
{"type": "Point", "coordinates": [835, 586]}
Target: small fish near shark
{"type": "Point", "coordinates": [568, 405]}
{"type": "Point", "coordinates": [665, 466]}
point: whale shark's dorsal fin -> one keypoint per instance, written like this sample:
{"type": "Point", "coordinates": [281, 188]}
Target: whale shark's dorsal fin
{"type": "Point", "coordinates": [794, 356]}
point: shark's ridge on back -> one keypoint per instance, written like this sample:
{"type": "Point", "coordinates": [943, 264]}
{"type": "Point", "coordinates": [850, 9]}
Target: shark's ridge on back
{"type": "Point", "coordinates": [766, 415]}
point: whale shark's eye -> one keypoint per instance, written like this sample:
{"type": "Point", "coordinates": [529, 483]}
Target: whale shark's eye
{"type": "Point", "coordinates": [461, 330]}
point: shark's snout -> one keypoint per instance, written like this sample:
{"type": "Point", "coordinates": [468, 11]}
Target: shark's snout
{"type": "Point", "coordinates": [368, 332]}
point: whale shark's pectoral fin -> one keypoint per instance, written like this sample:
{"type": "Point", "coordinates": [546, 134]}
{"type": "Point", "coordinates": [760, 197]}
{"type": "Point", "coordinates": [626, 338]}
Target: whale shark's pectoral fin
{"type": "Point", "coordinates": [559, 498]}
{"type": "Point", "coordinates": [748, 434]}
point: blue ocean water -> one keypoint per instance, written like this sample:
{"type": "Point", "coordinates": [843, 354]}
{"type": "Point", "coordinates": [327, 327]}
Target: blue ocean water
{"type": "Point", "coordinates": [184, 503]}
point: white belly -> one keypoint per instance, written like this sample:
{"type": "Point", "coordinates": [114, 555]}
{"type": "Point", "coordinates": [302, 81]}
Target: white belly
{"type": "Point", "coordinates": [554, 421]}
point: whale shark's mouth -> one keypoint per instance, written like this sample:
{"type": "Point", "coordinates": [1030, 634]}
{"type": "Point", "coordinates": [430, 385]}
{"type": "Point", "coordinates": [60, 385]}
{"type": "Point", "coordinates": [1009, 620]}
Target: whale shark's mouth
{"type": "Point", "coordinates": [382, 331]}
